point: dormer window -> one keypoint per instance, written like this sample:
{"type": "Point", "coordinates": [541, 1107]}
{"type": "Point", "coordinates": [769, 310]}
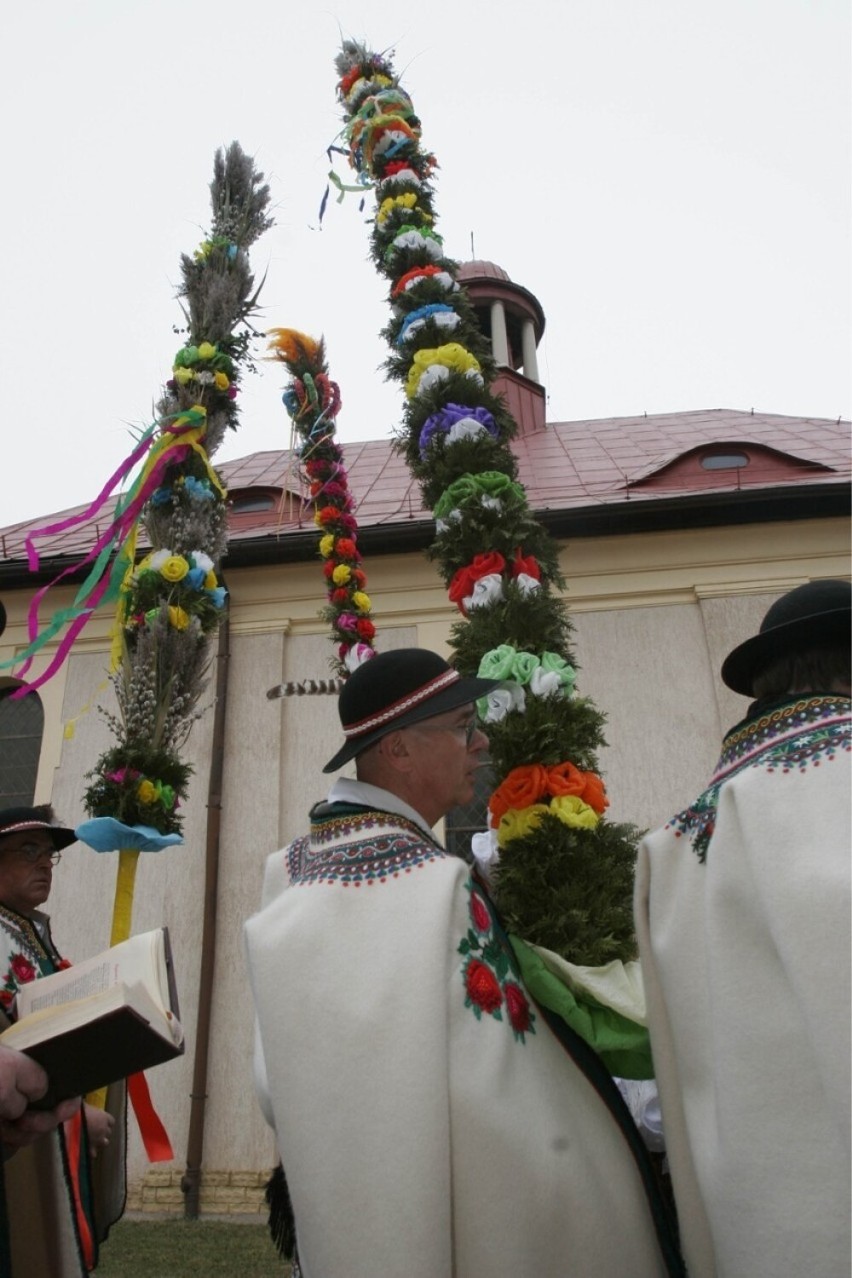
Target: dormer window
{"type": "Point", "coordinates": [724, 461]}
{"type": "Point", "coordinates": [250, 501]}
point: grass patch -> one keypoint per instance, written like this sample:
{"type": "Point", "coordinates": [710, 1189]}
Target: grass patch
{"type": "Point", "coordinates": [176, 1248]}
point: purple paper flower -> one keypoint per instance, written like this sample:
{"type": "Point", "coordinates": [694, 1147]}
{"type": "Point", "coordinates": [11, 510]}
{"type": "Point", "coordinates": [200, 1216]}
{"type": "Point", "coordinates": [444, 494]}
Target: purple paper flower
{"type": "Point", "coordinates": [439, 423]}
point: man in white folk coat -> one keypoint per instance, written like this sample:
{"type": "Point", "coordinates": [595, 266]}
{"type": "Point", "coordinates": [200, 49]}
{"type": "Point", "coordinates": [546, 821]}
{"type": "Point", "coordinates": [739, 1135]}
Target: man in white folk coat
{"type": "Point", "coordinates": [430, 1120]}
{"type": "Point", "coordinates": [743, 917]}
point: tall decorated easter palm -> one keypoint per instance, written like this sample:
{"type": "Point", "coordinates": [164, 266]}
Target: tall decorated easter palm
{"type": "Point", "coordinates": [564, 874]}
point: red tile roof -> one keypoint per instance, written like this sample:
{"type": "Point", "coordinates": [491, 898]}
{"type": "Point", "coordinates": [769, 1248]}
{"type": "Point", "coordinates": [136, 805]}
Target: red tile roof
{"type": "Point", "coordinates": [565, 465]}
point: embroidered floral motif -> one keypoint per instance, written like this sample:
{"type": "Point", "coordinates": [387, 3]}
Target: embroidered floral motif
{"type": "Point", "coordinates": [490, 962]}
{"type": "Point", "coordinates": [20, 972]}
{"type": "Point", "coordinates": [483, 989]}
{"type": "Point", "coordinates": [793, 737]}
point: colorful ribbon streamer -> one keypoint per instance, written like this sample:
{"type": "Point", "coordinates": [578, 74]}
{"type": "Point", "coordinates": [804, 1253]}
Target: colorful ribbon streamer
{"type": "Point", "coordinates": [103, 585]}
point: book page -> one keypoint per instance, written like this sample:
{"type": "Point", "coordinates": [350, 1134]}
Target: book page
{"type": "Point", "coordinates": [140, 960]}
{"type": "Point", "coordinates": [51, 1021]}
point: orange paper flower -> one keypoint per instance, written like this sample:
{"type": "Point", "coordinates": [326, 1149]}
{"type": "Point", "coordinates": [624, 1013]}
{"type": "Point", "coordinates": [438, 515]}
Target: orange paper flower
{"type": "Point", "coordinates": [523, 786]}
{"type": "Point", "coordinates": [567, 779]}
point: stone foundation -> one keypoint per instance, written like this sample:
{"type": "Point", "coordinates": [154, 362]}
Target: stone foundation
{"type": "Point", "coordinates": [223, 1193]}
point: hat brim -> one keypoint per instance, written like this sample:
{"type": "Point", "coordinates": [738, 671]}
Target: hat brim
{"type": "Point", "coordinates": [60, 834]}
{"type": "Point", "coordinates": [461, 693]}
{"type": "Point", "coordinates": [747, 660]}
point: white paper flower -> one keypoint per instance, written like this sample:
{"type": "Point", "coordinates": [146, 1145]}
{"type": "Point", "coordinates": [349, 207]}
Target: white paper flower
{"type": "Point", "coordinates": [414, 240]}
{"type": "Point", "coordinates": [491, 503]}
{"type": "Point", "coordinates": [545, 683]}
{"type": "Point", "coordinates": [487, 590]}
{"type": "Point", "coordinates": [357, 655]}
{"type": "Point", "coordinates": [393, 137]}
{"type": "Point", "coordinates": [158, 558]}
{"type": "Point", "coordinates": [407, 176]}
{"type": "Point", "coordinates": [433, 376]}
{"type": "Point", "coordinates": [443, 319]}
{"type": "Point", "coordinates": [475, 376]}
{"type": "Point", "coordinates": [526, 584]}
{"type": "Point", "coordinates": [464, 428]}
{"type": "Point", "coordinates": [453, 517]}
{"type": "Point", "coordinates": [202, 560]}
{"type": "Point", "coordinates": [485, 851]}
{"type": "Point", "coordinates": [494, 707]}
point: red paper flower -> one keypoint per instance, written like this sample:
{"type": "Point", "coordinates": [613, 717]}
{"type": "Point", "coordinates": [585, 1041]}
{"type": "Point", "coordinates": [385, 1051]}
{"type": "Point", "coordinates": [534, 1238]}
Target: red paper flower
{"type": "Point", "coordinates": [346, 548]}
{"type": "Point", "coordinates": [6, 997]}
{"type": "Point", "coordinates": [485, 564]}
{"type": "Point", "coordinates": [329, 567]}
{"type": "Point", "coordinates": [366, 629]}
{"type": "Point", "coordinates": [340, 595]}
{"type": "Point", "coordinates": [528, 565]}
{"type": "Point", "coordinates": [461, 585]}
{"type": "Point", "coordinates": [517, 1007]}
{"type": "Point", "coordinates": [482, 986]}
{"type": "Point", "coordinates": [328, 515]}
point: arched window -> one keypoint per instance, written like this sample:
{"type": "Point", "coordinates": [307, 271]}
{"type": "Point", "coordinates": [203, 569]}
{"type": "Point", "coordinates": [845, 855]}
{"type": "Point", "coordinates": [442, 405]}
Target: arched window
{"type": "Point", "coordinates": [21, 730]}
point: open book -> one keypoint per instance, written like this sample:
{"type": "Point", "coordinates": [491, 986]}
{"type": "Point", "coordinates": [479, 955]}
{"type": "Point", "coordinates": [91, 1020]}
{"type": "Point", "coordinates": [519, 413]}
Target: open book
{"type": "Point", "coordinates": [102, 1019]}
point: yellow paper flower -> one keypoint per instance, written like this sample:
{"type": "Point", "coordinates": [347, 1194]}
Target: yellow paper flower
{"type": "Point", "coordinates": [326, 545]}
{"type": "Point", "coordinates": [183, 375]}
{"type": "Point", "coordinates": [387, 206]}
{"type": "Point", "coordinates": [571, 810]}
{"type": "Point", "coordinates": [175, 568]}
{"type": "Point", "coordinates": [146, 793]}
{"type": "Point", "coordinates": [341, 574]}
{"type": "Point", "coordinates": [178, 618]}
{"type": "Point", "coordinates": [206, 350]}
{"type": "Point", "coordinates": [210, 582]}
{"type": "Point", "coordinates": [362, 601]}
{"type": "Point", "coordinates": [452, 355]}
{"type": "Point", "coordinates": [517, 822]}
{"type": "Point", "coordinates": [221, 381]}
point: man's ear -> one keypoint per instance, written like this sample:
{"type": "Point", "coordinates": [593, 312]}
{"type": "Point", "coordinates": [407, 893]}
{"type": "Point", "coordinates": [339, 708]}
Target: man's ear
{"type": "Point", "coordinates": [396, 751]}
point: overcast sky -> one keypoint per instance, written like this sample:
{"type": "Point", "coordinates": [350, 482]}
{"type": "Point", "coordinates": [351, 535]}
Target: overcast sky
{"type": "Point", "coordinates": [671, 178]}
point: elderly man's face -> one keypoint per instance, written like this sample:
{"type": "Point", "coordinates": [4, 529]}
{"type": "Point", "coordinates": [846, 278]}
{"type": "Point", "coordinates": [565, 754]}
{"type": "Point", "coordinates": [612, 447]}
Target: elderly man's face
{"type": "Point", "coordinates": [26, 872]}
{"type": "Point", "coordinates": [448, 752]}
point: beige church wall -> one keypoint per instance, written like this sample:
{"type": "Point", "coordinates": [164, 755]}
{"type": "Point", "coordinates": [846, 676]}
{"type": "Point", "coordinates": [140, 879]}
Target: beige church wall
{"type": "Point", "coordinates": [646, 670]}
{"type": "Point", "coordinates": [654, 616]}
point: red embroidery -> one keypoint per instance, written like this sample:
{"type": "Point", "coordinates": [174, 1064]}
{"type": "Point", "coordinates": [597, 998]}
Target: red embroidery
{"type": "Point", "coordinates": [489, 964]}
{"type": "Point", "coordinates": [482, 986]}
{"type": "Point", "coordinates": [22, 969]}
{"type": "Point", "coordinates": [479, 913]}
{"type": "Point", "coordinates": [517, 1007]}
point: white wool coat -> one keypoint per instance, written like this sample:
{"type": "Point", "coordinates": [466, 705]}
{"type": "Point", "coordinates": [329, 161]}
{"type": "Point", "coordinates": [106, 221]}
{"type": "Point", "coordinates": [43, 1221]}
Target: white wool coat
{"type": "Point", "coordinates": [429, 1122]}
{"type": "Point", "coordinates": [743, 917]}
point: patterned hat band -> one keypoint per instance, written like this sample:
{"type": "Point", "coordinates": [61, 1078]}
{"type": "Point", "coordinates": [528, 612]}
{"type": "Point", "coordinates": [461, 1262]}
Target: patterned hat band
{"type": "Point", "coordinates": [397, 708]}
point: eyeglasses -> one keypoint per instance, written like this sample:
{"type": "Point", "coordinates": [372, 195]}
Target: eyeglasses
{"type": "Point", "coordinates": [33, 852]}
{"type": "Point", "coordinates": [468, 730]}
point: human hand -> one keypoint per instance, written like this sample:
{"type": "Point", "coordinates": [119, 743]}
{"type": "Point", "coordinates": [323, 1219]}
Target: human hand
{"type": "Point", "coordinates": [99, 1125]}
{"type": "Point", "coordinates": [22, 1080]}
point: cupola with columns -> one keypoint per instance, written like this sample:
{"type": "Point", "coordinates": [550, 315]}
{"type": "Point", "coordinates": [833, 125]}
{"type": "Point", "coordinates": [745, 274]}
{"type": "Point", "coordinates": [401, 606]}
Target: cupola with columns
{"type": "Point", "coordinates": [512, 318]}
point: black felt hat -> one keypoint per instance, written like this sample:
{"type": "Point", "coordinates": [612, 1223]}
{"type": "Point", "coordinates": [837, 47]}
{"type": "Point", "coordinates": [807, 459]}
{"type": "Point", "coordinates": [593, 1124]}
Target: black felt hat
{"type": "Point", "coordinates": [816, 614]}
{"type": "Point", "coordinates": [395, 689]}
{"type": "Point", "coordinates": [14, 820]}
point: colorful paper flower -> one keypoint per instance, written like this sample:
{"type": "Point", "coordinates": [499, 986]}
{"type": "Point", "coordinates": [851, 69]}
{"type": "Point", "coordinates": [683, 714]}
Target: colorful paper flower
{"type": "Point", "coordinates": [174, 568]}
{"type": "Point", "coordinates": [572, 811]}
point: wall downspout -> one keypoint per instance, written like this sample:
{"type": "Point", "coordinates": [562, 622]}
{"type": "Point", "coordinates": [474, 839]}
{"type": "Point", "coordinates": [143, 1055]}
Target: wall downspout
{"type": "Point", "coordinates": [191, 1180]}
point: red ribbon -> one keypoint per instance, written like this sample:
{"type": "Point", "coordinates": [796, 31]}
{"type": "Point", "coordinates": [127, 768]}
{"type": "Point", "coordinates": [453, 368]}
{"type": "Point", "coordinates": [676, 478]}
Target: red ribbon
{"type": "Point", "coordinates": [155, 1138]}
